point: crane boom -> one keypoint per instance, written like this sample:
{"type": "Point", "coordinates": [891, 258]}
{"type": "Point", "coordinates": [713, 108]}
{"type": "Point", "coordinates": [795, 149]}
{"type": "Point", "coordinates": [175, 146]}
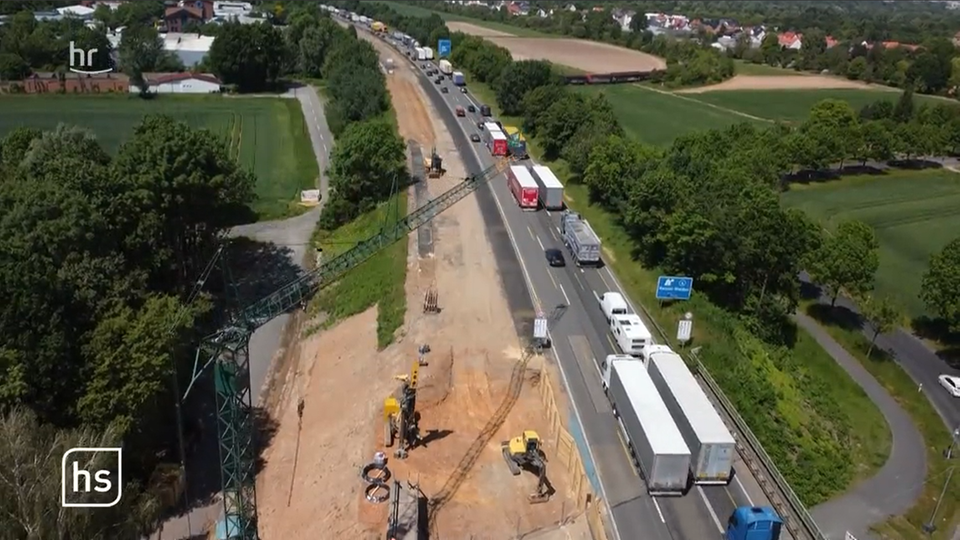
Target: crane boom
{"type": "Point", "coordinates": [228, 351]}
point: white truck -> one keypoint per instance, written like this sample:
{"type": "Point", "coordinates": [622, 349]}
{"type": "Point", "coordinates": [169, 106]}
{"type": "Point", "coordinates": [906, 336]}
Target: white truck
{"type": "Point", "coordinates": [652, 437]}
{"type": "Point", "coordinates": [421, 54]}
{"type": "Point", "coordinates": [429, 52]}
{"type": "Point", "coordinates": [551, 189]}
{"type": "Point", "coordinates": [612, 303]}
{"type": "Point", "coordinates": [711, 445]}
{"type": "Point", "coordinates": [630, 333]}
{"type": "Point", "coordinates": [446, 67]}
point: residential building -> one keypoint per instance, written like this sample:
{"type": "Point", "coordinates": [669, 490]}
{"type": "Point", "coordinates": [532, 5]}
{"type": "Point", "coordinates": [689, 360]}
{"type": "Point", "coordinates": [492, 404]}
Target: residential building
{"type": "Point", "coordinates": [191, 49]}
{"type": "Point", "coordinates": [231, 10]}
{"type": "Point", "coordinates": [180, 83]}
{"type": "Point", "coordinates": [178, 17]}
{"type": "Point", "coordinates": [81, 12]}
{"type": "Point", "coordinates": [790, 40]}
{"type": "Point", "coordinates": [70, 83]}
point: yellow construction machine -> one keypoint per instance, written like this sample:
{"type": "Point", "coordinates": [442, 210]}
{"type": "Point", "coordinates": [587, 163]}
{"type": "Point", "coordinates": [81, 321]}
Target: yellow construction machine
{"type": "Point", "coordinates": [524, 452]}
{"type": "Point", "coordinates": [400, 417]}
{"type": "Point", "coordinates": [435, 167]}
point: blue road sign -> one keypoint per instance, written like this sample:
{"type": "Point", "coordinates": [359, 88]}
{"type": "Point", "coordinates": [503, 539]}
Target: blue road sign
{"type": "Point", "coordinates": [674, 288]}
{"type": "Point", "coordinates": [443, 48]}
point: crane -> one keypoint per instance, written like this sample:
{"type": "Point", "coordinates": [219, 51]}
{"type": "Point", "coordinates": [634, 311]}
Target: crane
{"type": "Point", "coordinates": [228, 351]}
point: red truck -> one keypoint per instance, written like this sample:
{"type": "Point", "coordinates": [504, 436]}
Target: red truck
{"type": "Point", "coordinates": [523, 187]}
{"type": "Point", "coordinates": [460, 111]}
{"type": "Point", "coordinates": [497, 143]}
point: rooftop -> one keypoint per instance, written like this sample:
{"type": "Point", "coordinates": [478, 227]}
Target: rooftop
{"type": "Point", "coordinates": [174, 41]}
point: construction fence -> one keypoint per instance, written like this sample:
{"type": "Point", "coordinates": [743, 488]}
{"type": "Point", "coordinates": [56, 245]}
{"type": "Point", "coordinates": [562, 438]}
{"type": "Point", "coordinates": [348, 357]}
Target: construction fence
{"type": "Point", "coordinates": [565, 455]}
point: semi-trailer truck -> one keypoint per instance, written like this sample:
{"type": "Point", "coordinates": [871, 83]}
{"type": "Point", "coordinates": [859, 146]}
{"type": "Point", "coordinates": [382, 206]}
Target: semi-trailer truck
{"type": "Point", "coordinates": [578, 236]}
{"type": "Point", "coordinates": [445, 67]}
{"type": "Point", "coordinates": [551, 190]}
{"type": "Point", "coordinates": [712, 447]}
{"type": "Point", "coordinates": [459, 79]}
{"type": "Point", "coordinates": [497, 143]}
{"type": "Point", "coordinates": [753, 523]}
{"type": "Point", "coordinates": [653, 440]}
{"type": "Point", "coordinates": [523, 187]}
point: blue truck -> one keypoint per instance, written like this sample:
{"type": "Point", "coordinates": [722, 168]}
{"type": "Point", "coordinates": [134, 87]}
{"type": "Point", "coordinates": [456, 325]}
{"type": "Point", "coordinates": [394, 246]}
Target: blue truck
{"type": "Point", "coordinates": [754, 523]}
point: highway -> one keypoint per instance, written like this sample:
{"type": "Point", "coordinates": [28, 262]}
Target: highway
{"type": "Point", "coordinates": [580, 340]}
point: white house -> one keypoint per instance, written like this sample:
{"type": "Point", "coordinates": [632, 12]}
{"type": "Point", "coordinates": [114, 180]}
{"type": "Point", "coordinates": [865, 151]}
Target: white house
{"type": "Point", "coordinates": [179, 83]}
{"type": "Point", "coordinates": [80, 12]}
{"type": "Point", "coordinates": [231, 9]}
{"type": "Point", "coordinates": [189, 48]}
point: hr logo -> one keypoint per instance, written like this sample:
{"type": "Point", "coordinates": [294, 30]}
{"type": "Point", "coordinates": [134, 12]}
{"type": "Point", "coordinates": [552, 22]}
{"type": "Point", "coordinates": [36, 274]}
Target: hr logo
{"type": "Point", "coordinates": [82, 61]}
{"type": "Point", "coordinates": [91, 477]}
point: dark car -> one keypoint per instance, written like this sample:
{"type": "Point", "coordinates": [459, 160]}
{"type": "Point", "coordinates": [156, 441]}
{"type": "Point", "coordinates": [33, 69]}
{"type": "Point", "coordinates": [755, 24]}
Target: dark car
{"type": "Point", "coordinates": [444, 90]}
{"type": "Point", "coordinates": [474, 137]}
{"type": "Point", "coordinates": [436, 81]}
{"type": "Point", "coordinates": [471, 108]}
{"type": "Point", "coordinates": [463, 90]}
{"type": "Point", "coordinates": [480, 124]}
{"type": "Point", "coordinates": [555, 257]}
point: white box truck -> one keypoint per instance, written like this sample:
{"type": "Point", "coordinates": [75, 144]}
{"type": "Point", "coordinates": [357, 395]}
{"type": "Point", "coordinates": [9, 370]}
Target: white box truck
{"type": "Point", "coordinates": [446, 67]}
{"type": "Point", "coordinates": [429, 52]}
{"type": "Point", "coordinates": [551, 190]}
{"type": "Point", "coordinates": [630, 333]}
{"type": "Point", "coordinates": [652, 437]}
{"type": "Point", "coordinates": [421, 54]}
{"type": "Point", "coordinates": [712, 447]}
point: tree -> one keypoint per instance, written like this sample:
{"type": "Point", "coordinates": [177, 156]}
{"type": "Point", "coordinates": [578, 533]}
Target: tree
{"type": "Point", "coordinates": [249, 56]}
{"type": "Point", "coordinates": [940, 285]}
{"type": "Point", "coordinates": [857, 68]}
{"type": "Point", "coordinates": [878, 142]}
{"type": "Point", "coordinates": [516, 80]}
{"type": "Point", "coordinates": [141, 51]}
{"type": "Point", "coordinates": [883, 314]}
{"type": "Point", "coordinates": [904, 110]}
{"type": "Point", "coordinates": [847, 260]}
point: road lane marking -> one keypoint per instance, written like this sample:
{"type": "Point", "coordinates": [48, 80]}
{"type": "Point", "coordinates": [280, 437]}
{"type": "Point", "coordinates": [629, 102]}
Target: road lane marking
{"type": "Point", "coordinates": [710, 509]}
{"type": "Point", "coordinates": [660, 512]}
{"type": "Point", "coordinates": [550, 275]}
{"type": "Point", "coordinates": [539, 242]}
{"type": "Point", "coordinates": [579, 283]}
{"type": "Point", "coordinates": [743, 490]}
{"type": "Point", "coordinates": [567, 298]}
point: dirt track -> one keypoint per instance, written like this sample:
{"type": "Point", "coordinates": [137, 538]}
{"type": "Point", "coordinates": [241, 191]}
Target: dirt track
{"type": "Point", "coordinates": [587, 56]}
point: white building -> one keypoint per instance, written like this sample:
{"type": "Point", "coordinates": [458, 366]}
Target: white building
{"type": "Point", "coordinates": [190, 48]}
{"type": "Point", "coordinates": [83, 13]}
{"type": "Point", "coordinates": [228, 10]}
{"type": "Point", "coordinates": [179, 83]}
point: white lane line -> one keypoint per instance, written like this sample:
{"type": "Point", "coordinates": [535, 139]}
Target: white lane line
{"type": "Point", "coordinates": [710, 509]}
{"type": "Point", "coordinates": [660, 512]}
{"type": "Point", "coordinates": [541, 243]}
{"type": "Point", "coordinates": [565, 297]}
{"type": "Point", "coordinates": [743, 490]}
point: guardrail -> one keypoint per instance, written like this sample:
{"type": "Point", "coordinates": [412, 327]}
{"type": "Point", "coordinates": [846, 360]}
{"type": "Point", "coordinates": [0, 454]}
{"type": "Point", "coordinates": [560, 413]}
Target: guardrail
{"type": "Point", "coordinates": [797, 510]}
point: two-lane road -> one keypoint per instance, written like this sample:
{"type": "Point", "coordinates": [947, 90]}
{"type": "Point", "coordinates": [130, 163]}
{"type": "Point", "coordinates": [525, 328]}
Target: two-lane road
{"type": "Point", "coordinates": [580, 340]}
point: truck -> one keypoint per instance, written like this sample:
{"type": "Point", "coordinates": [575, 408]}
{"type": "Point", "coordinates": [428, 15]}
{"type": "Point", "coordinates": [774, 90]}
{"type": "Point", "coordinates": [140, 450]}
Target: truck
{"type": "Point", "coordinates": [458, 78]}
{"type": "Point", "coordinates": [753, 523]}
{"type": "Point", "coordinates": [429, 52]}
{"type": "Point", "coordinates": [612, 303]}
{"type": "Point", "coordinates": [460, 111]}
{"type": "Point", "coordinates": [652, 438]}
{"type": "Point", "coordinates": [712, 447]}
{"type": "Point", "coordinates": [446, 67]}
{"type": "Point", "coordinates": [578, 236]}
{"type": "Point", "coordinates": [378, 26]}
{"type": "Point", "coordinates": [421, 54]}
{"type": "Point", "coordinates": [630, 333]}
{"type": "Point", "coordinates": [491, 127]}
{"type": "Point", "coordinates": [497, 143]}
{"type": "Point", "coordinates": [523, 187]}
{"type": "Point", "coordinates": [551, 190]}
{"type": "Point", "coordinates": [516, 142]}
{"type": "Point", "coordinates": [485, 110]}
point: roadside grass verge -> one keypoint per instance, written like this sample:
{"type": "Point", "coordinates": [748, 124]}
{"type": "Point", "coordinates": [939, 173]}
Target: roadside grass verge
{"type": "Point", "coordinates": [844, 327]}
{"type": "Point", "coordinates": [265, 135]}
{"type": "Point", "coordinates": [821, 430]}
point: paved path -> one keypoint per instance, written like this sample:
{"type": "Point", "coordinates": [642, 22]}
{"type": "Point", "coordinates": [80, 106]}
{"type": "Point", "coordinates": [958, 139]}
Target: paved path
{"type": "Point", "coordinates": [893, 490]}
{"type": "Point", "coordinates": [294, 235]}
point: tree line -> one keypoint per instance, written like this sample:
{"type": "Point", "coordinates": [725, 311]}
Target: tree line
{"type": "Point", "coordinates": [99, 257]}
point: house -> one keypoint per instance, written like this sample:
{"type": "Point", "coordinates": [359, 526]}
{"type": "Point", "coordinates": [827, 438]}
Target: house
{"type": "Point", "coordinates": [831, 42]}
{"type": "Point", "coordinates": [230, 10]}
{"type": "Point", "coordinates": [570, 7]}
{"type": "Point", "coordinates": [790, 40]}
{"type": "Point", "coordinates": [624, 17]}
{"type": "Point", "coordinates": [70, 83]}
{"type": "Point", "coordinates": [176, 18]}
{"type": "Point", "coordinates": [191, 49]}
{"type": "Point", "coordinates": [81, 12]}
{"type": "Point", "coordinates": [543, 14]}
{"type": "Point", "coordinates": [180, 83]}
{"type": "Point", "coordinates": [518, 8]}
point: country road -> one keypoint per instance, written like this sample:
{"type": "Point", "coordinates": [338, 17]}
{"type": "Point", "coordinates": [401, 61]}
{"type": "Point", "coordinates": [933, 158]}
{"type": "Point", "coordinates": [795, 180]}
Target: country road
{"type": "Point", "coordinates": [291, 235]}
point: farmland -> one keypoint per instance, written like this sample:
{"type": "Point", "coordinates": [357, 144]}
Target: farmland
{"type": "Point", "coordinates": [267, 136]}
{"type": "Point", "coordinates": [913, 213]}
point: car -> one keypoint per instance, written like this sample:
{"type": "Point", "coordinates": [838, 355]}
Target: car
{"type": "Point", "coordinates": [555, 257]}
{"type": "Point", "coordinates": [480, 125]}
{"type": "Point", "coordinates": [951, 383]}
{"type": "Point", "coordinates": [436, 81]}
{"type": "Point", "coordinates": [475, 137]}
{"type": "Point", "coordinates": [463, 90]}
{"type": "Point", "coordinates": [444, 90]}
{"type": "Point", "coordinates": [440, 77]}
{"type": "Point", "coordinates": [471, 108]}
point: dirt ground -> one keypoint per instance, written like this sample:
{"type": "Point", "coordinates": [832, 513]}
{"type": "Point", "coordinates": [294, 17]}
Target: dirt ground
{"type": "Point", "coordinates": [588, 56]}
{"type": "Point", "coordinates": [310, 485]}
{"type": "Point", "coordinates": [781, 82]}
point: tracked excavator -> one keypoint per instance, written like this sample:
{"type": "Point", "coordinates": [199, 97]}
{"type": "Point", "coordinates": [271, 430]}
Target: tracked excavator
{"type": "Point", "coordinates": [524, 452]}
{"type": "Point", "coordinates": [435, 167]}
{"type": "Point", "coordinates": [400, 417]}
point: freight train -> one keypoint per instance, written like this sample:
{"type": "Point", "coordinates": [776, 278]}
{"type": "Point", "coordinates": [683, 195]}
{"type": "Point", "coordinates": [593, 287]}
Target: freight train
{"type": "Point", "coordinates": [612, 78]}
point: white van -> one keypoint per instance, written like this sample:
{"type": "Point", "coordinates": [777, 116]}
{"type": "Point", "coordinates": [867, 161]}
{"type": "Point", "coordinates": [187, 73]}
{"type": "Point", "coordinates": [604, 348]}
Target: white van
{"type": "Point", "coordinates": [611, 304]}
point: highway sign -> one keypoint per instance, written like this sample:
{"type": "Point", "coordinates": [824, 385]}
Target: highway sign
{"type": "Point", "coordinates": [674, 288]}
{"type": "Point", "coordinates": [443, 48]}
{"type": "Point", "coordinates": [684, 330]}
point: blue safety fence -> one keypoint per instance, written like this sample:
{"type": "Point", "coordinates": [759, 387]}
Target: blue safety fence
{"type": "Point", "coordinates": [589, 468]}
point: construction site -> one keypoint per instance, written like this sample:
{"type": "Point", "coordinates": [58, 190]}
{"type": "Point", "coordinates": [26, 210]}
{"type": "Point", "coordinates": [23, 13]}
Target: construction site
{"type": "Point", "coordinates": [453, 431]}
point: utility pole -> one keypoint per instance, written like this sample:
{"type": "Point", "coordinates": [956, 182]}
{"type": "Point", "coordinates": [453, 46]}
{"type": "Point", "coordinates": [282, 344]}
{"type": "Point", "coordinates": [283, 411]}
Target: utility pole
{"type": "Point", "coordinates": [930, 525]}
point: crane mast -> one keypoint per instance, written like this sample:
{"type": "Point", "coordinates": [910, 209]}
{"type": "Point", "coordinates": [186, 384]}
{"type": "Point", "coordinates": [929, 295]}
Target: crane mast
{"type": "Point", "coordinates": [228, 350]}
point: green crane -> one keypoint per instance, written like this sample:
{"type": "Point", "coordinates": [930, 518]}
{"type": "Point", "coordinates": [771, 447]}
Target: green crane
{"type": "Point", "coordinates": [228, 350]}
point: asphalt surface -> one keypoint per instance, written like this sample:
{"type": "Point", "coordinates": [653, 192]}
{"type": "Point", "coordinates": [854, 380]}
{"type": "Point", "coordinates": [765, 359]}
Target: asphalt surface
{"type": "Point", "coordinates": [580, 340]}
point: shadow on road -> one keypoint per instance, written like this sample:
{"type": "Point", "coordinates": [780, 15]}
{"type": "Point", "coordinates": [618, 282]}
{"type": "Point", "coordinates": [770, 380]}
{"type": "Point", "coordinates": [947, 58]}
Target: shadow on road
{"type": "Point", "coordinates": [936, 330]}
{"type": "Point", "coordinates": [258, 269]}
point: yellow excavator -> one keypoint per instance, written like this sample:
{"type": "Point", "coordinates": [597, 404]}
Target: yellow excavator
{"type": "Point", "coordinates": [435, 167]}
{"type": "Point", "coordinates": [524, 452]}
{"type": "Point", "coordinates": [400, 417]}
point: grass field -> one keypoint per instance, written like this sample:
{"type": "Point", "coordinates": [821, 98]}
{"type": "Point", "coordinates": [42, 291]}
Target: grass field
{"type": "Point", "coordinates": [267, 136]}
{"type": "Point", "coordinates": [760, 70]}
{"type": "Point", "coordinates": [814, 392]}
{"type": "Point", "coordinates": [914, 214]}
{"type": "Point", "coordinates": [416, 11]}
{"type": "Point", "coordinates": [657, 117]}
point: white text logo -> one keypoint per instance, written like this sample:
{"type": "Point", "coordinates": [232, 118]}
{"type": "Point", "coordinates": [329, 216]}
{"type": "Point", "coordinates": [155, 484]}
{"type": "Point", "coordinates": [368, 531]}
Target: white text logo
{"type": "Point", "coordinates": [91, 477]}
{"type": "Point", "coordinates": [82, 61]}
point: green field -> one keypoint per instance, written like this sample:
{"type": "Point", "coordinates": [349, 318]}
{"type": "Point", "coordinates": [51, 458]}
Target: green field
{"type": "Point", "coordinates": [416, 11]}
{"type": "Point", "coordinates": [657, 117]}
{"type": "Point", "coordinates": [913, 213]}
{"type": "Point", "coordinates": [793, 105]}
{"type": "Point", "coordinates": [267, 136]}
{"type": "Point", "coordinates": [761, 70]}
